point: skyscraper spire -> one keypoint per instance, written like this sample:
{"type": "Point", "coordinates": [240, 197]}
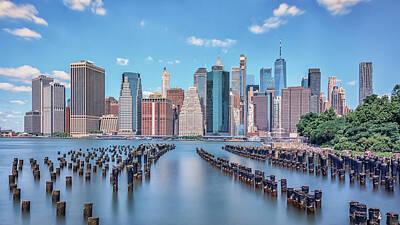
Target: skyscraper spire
{"type": "Point", "coordinates": [280, 49]}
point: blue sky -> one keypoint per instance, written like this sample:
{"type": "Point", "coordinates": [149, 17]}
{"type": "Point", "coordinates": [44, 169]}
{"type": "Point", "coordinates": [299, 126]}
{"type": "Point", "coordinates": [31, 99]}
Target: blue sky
{"type": "Point", "coordinates": [45, 36]}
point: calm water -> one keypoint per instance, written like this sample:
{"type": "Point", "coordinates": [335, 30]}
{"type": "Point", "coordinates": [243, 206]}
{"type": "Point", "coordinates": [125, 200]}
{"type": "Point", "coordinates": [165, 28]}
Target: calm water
{"type": "Point", "coordinates": [183, 189]}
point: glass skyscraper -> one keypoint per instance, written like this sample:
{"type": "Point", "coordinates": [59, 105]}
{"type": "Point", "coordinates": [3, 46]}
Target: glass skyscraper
{"type": "Point", "coordinates": [131, 109]}
{"type": "Point", "coordinates": [266, 79]}
{"type": "Point", "coordinates": [280, 73]}
{"type": "Point", "coordinates": [217, 107]}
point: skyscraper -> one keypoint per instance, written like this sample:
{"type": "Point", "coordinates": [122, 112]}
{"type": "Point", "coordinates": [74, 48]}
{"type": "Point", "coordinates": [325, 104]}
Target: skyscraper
{"type": "Point", "coordinates": [191, 115]}
{"type": "Point", "coordinates": [365, 81]}
{"type": "Point", "coordinates": [67, 119]}
{"type": "Point", "coordinates": [280, 73]}
{"type": "Point", "coordinates": [157, 116]}
{"type": "Point", "coordinates": [38, 85]}
{"type": "Point", "coordinates": [87, 97]}
{"type": "Point", "coordinates": [276, 116]}
{"type": "Point", "coordinates": [304, 82]}
{"type": "Point", "coordinates": [250, 79]}
{"type": "Point", "coordinates": [331, 84]}
{"type": "Point", "coordinates": [314, 83]}
{"type": "Point", "coordinates": [335, 98]}
{"type": "Point", "coordinates": [263, 105]}
{"type": "Point", "coordinates": [165, 77]}
{"type": "Point", "coordinates": [130, 109]}
{"type": "Point", "coordinates": [243, 94]}
{"type": "Point", "coordinates": [32, 122]}
{"type": "Point", "coordinates": [200, 82]}
{"type": "Point", "coordinates": [266, 79]}
{"type": "Point", "coordinates": [341, 109]}
{"type": "Point", "coordinates": [295, 103]}
{"type": "Point", "coordinates": [218, 100]}
{"type": "Point", "coordinates": [111, 106]}
{"type": "Point", "coordinates": [236, 80]}
{"type": "Point", "coordinates": [323, 103]}
{"type": "Point", "coordinates": [176, 95]}
{"type": "Point", "coordinates": [53, 108]}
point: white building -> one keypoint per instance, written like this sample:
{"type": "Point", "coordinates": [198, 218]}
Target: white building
{"type": "Point", "coordinates": [165, 85]}
{"type": "Point", "coordinates": [53, 108]}
{"type": "Point", "coordinates": [191, 116]}
{"type": "Point", "coordinates": [125, 108]}
{"type": "Point", "coordinates": [109, 123]}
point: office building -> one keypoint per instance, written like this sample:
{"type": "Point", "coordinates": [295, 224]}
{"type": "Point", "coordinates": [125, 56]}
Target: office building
{"type": "Point", "coordinates": [111, 106]}
{"type": "Point", "coordinates": [109, 124]}
{"type": "Point", "coordinates": [266, 79]}
{"type": "Point", "coordinates": [304, 82]}
{"type": "Point", "coordinates": [176, 95]}
{"type": "Point", "coordinates": [295, 103]}
{"type": "Point", "coordinates": [38, 84]}
{"type": "Point", "coordinates": [323, 103]}
{"type": "Point", "coordinates": [217, 107]}
{"type": "Point", "coordinates": [87, 97]}
{"type": "Point", "coordinates": [250, 79]}
{"type": "Point", "coordinates": [243, 95]}
{"type": "Point", "coordinates": [341, 109]}
{"type": "Point", "coordinates": [165, 82]}
{"type": "Point", "coordinates": [365, 81]}
{"type": "Point", "coordinates": [277, 117]}
{"type": "Point", "coordinates": [191, 115]}
{"type": "Point", "coordinates": [280, 73]}
{"type": "Point", "coordinates": [200, 82]}
{"type": "Point", "coordinates": [67, 119]}
{"type": "Point", "coordinates": [130, 109]}
{"type": "Point", "coordinates": [236, 80]}
{"type": "Point", "coordinates": [53, 109]}
{"type": "Point", "coordinates": [331, 84]}
{"type": "Point", "coordinates": [32, 122]}
{"type": "Point", "coordinates": [314, 83]}
{"type": "Point", "coordinates": [157, 116]}
{"type": "Point", "coordinates": [263, 110]}
{"type": "Point", "coordinates": [335, 98]}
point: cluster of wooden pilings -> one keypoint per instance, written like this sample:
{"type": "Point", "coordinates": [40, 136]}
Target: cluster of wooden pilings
{"type": "Point", "coordinates": [384, 171]}
{"type": "Point", "coordinates": [300, 198]}
{"type": "Point", "coordinates": [85, 163]}
{"type": "Point", "coordinates": [358, 215]}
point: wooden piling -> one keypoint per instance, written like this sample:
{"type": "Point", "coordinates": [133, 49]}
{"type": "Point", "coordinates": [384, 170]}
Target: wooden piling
{"type": "Point", "coordinates": [93, 221]}
{"type": "Point", "coordinates": [49, 186]}
{"type": "Point", "coordinates": [26, 206]}
{"type": "Point", "coordinates": [61, 208]}
{"type": "Point", "coordinates": [87, 210]}
{"type": "Point", "coordinates": [55, 196]}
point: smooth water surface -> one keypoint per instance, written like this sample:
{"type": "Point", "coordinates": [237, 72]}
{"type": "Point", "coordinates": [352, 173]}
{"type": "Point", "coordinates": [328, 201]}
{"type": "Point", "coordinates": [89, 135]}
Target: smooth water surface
{"type": "Point", "coordinates": [183, 189]}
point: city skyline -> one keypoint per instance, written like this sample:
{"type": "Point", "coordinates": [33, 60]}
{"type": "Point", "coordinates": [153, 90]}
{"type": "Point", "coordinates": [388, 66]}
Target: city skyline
{"type": "Point", "coordinates": [189, 48]}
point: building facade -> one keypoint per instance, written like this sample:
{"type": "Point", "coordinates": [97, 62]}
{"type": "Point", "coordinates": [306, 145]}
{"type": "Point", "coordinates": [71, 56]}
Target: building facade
{"type": "Point", "coordinates": [263, 110]}
{"type": "Point", "coordinates": [32, 120]}
{"type": "Point", "coordinates": [304, 82]}
{"type": "Point", "coordinates": [67, 119]}
{"type": "Point", "coordinates": [331, 84]}
{"type": "Point", "coordinates": [165, 82]}
{"type": "Point", "coordinates": [295, 103]}
{"type": "Point", "coordinates": [130, 109]}
{"type": "Point", "coordinates": [280, 73]}
{"type": "Point", "coordinates": [109, 123]}
{"type": "Point", "coordinates": [191, 115]}
{"type": "Point", "coordinates": [217, 107]}
{"type": "Point", "coordinates": [236, 80]}
{"type": "Point", "coordinates": [176, 95]}
{"type": "Point", "coordinates": [266, 79]}
{"type": "Point", "coordinates": [365, 81]}
{"type": "Point", "coordinates": [53, 108]}
{"type": "Point", "coordinates": [111, 106]}
{"type": "Point", "coordinates": [314, 83]}
{"type": "Point", "coordinates": [38, 85]}
{"type": "Point", "coordinates": [157, 116]}
{"type": "Point", "coordinates": [323, 103]}
{"type": "Point", "coordinates": [87, 97]}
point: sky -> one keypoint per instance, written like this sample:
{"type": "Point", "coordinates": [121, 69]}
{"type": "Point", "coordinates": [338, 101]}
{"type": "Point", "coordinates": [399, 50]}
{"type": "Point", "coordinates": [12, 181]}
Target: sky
{"type": "Point", "coordinates": [45, 36]}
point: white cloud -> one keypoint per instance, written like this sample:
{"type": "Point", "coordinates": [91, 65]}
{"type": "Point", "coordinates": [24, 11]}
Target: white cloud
{"type": "Point", "coordinates": [23, 32]}
{"type": "Point", "coordinates": [21, 11]}
{"type": "Point", "coordinates": [286, 10]}
{"type": "Point", "coordinates": [339, 7]}
{"type": "Point", "coordinates": [13, 88]}
{"type": "Point", "coordinates": [11, 116]}
{"type": "Point", "coordinates": [143, 23]}
{"type": "Point", "coordinates": [61, 75]}
{"type": "Point", "coordinates": [122, 61]}
{"type": "Point", "coordinates": [177, 61]}
{"type": "Point", "coordinates": [18, 102]}
{"type": "Point", "coordinates": [146, 94]}
{"type": "Point", "coordinates": [210, 42]}
{"type": "Point", "coordinates": [280, 18]}
{"type": "Point", "coordinates": [352, 83]}
{"type": "Point", "coordinates": [149, 58]}
{"type": "Point", "coordinates": [23, 72]}
{"type": "Point", "coordinates": [96, 6]}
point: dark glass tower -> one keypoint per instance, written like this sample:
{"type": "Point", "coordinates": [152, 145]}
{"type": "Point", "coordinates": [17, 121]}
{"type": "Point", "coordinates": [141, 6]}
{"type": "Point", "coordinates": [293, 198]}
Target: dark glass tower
{"type": "Point", "coordinates": [280, 73]}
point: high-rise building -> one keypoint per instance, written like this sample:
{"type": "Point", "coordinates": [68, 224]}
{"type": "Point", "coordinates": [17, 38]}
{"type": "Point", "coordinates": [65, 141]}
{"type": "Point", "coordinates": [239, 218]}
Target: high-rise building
{"type": "Point", "coordinates": [191, 115]}
{"type": "Point", "coordinates": [111, 106]}
{"type": "Point", "coordinates": [165, 79]}
{"type": "Point", "coordinates": [109, 123]}
{"type": "Point", "coordinates": [236, 80]}
{"type": "Point", "coordinates": [53, 108]}
{"type": "Point", "coordinates": [266, 79]}
{"type": "Point", "coordinates": [365, 81]}
{"type": "Point", "coordinates": [130, 109]}
{"type": "Point", "coordinates": [38, 84]}
{"type": "Point", "coordinates": [32, 122]}
{"type": "Point", "coordinates": [314, 83]}
{"type": "Point", "coordinates": [200, 82]}
{"type": "Point", "coordinates": [67, 119]}
{"type": "Point", "coordinates": [304, 82]}
{"type": "Point", "coordinates": [217, 107]}
{"type": "Point", "coordinates": [251, 90]}
{"type": "Point", "coordinates": [331, 84]}
{"type": "Point", "coordinates": [87, 97]}
{"type": "Point", "coordinates": [323, 103]}
{"type": "Point", "coordinates": [335, 98]}
{"type": "Point", "coordinates": [157, 116]}
{"type": "Point", "coordinates": [243, 94]}
{"type": "Point", "coordinates": [280, 73]}
{"type": "Point", "coordinates": [295, 103]}
{"type": "Point", "coordinates": [176, 95]}
{"type": "Point", "coordinates": [276, 116]}
{"type": "Point", "coordinates": [341, 109]}
{"type": "Point", "coordinates": [263, 108]}
{"type": "Point", "coordinates": [234, 114]}
{"type": "Point", "coordinates": [250, 79]}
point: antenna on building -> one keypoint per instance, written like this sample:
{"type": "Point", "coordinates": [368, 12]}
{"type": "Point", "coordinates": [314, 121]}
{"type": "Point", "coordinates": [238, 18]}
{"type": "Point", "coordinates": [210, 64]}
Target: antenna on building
{"type": "Point", "coordinates": [280, 49]}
